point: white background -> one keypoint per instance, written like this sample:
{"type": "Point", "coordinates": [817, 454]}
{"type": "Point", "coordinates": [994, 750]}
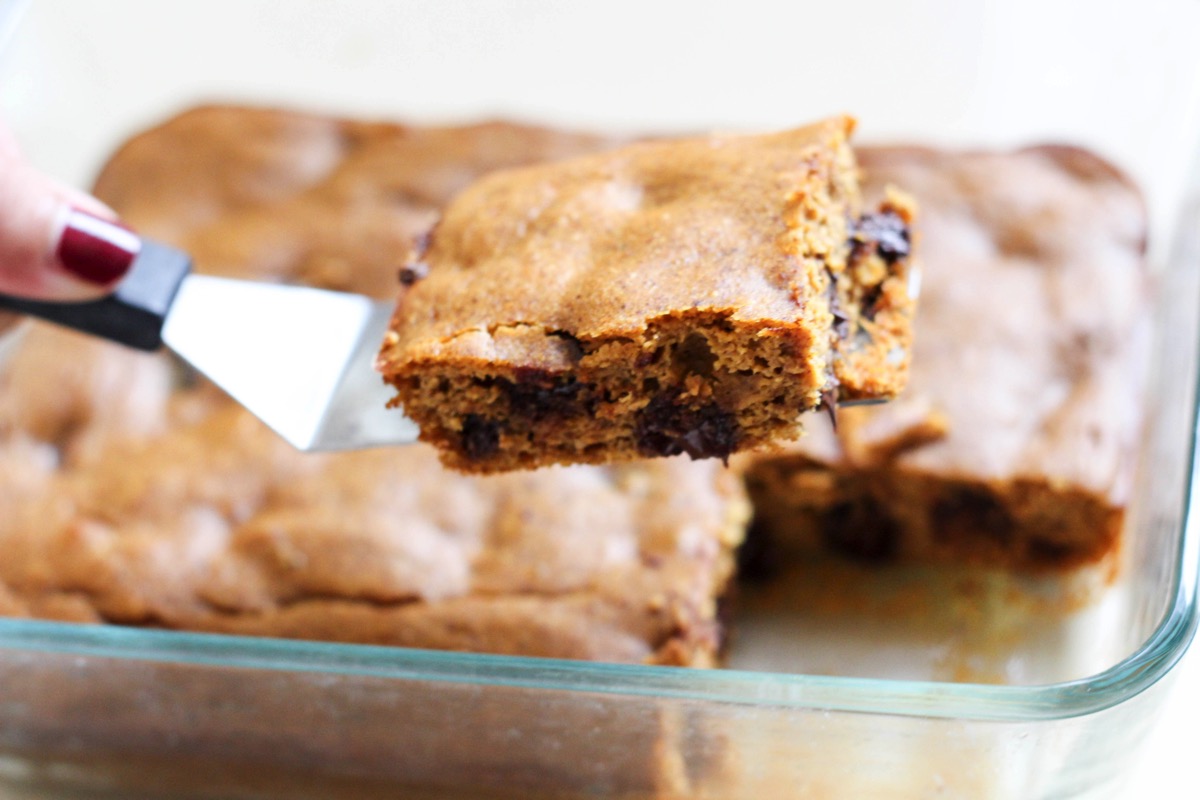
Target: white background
{"type": "Point", "coordinates": [1166, 766]}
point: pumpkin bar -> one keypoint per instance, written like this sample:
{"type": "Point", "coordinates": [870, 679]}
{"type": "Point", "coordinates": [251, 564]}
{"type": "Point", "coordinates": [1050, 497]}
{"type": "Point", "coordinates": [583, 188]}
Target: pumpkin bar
{"type": "Point", "coordinates": [1015, 442]}
{"type": "Point", "coordinates": [669, 297]}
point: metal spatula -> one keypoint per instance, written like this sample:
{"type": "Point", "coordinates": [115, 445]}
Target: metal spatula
{"type": "Point", "coordinates": [299, 359]}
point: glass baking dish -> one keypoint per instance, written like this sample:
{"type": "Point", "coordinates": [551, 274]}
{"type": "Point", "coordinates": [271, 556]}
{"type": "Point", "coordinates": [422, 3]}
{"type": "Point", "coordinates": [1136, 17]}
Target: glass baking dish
{"type": "Point", "coordinates": [812, 706]}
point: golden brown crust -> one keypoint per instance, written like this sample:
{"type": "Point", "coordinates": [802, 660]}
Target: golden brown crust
{"type": "Point", "coordinates": [1014, 443]}
{"type": "Point", "coordinates": [266, 193]}
{"type": "Point", "coordinates": [670, 296]}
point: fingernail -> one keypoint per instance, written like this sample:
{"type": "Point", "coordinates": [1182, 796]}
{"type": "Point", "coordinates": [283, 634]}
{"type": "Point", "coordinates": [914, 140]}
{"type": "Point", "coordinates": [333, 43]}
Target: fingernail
{"type": "Point", "coordinates": [96, 250]}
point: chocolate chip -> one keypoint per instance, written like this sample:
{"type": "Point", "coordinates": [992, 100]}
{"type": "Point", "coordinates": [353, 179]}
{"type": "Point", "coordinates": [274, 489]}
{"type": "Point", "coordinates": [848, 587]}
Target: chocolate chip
{"type": "Point", "coordinates": [829, 401]}
{"type": "Point", "coordinates": [760, 555]}
{"type": "Point", "coordinates": [480, 437]}
{"type": "Point", "coordinates": [1054, 554]}
{"type": "Point", "coordinates": [887, 231]}
{"type": "Point", "coordinates": [861, 529]}
{"type": "Point", "coordinates": [538, 394]}
{"type": "Point", "coordinates": [648, 358]}
{"type": "Point", "coordinates": [969, 512]}
{"type": "Point", "coordinates": [694, 356]}
{"type": "Point", "coordinates": [667, 427]}
{"type": "Point", "coordinates": [411, 273]}
{"type": "Point", "coordinates": [868, 306]}
{"type": "Point", "coordinates": [841, 322]}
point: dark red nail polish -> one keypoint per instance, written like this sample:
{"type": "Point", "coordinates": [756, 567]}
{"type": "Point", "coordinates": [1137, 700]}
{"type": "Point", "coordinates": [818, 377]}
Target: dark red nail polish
{"type": "Point", "coordinates": [96, 250]}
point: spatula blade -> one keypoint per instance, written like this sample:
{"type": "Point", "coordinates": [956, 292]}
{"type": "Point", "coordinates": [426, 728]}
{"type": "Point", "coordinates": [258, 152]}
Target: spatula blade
{"type": "Point", "coordinates": [299, 359]}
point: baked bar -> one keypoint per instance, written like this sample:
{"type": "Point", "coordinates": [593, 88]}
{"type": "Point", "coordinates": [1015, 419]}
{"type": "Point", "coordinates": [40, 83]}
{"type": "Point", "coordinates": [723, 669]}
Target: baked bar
{"type": "Point", "coordinates": [1014, 444]}
{"type": "Point", "coordinates": [673, 296]}
{"type": "Point", "coordinates": [135, 493]}
{"type": "Point", "coordinates": [218, 526]}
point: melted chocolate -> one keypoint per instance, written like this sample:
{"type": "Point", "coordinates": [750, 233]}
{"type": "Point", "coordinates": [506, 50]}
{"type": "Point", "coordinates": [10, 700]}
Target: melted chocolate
{"type": "Point", "coordinates": [887, 231]}
{"type": "Point", "coordinates": [648, 358]}
{"type": "Point", "coordinates": [860, 529]}
{"type": "Point", "coordinates": [411, 273]}
{"type": "Point", "coordinates": [829, 401]}
{"type": "Point", "coordinates": [538, 394]}
{"type": "Point", "coordinates": [841, 322]}
{"type": "Point", "coordinates": [480, 437]}
{"type": "Point", "coordinates": [969, 512]}
{"type": "Point", "coordinates": [667, 428]}
{"type": "Point", "coordinates": [1055, 554]}
{"type": "Point", "coordinates": [759, 557]}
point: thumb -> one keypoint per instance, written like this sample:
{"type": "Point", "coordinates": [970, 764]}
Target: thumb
{"type": "Point", "coordinates": [56, 244]}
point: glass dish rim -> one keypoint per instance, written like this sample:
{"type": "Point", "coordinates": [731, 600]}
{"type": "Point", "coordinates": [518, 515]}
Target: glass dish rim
{"type": "Point", "coordinates": [982, 702]}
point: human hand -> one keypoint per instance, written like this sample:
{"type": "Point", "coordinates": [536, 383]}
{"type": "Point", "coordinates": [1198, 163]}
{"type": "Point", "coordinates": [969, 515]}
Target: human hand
{"type": "Point", "coordinates": [56, 243]}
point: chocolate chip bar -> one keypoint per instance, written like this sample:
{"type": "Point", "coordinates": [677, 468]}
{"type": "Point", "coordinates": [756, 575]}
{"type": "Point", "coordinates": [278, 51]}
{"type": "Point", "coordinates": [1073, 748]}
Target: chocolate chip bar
{"type": "Point", "coordinates": [1014, 444]}
{"type": "Point", "coordinates": [670, 297]}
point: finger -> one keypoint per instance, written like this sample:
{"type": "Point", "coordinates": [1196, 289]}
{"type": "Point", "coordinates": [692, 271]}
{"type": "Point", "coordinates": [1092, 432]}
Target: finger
{"type": "Point", "coordinates": [54, 244]}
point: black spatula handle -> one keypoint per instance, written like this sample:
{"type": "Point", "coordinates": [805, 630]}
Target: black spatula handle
{"type": "Point", "coordinates": [134, 313]}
